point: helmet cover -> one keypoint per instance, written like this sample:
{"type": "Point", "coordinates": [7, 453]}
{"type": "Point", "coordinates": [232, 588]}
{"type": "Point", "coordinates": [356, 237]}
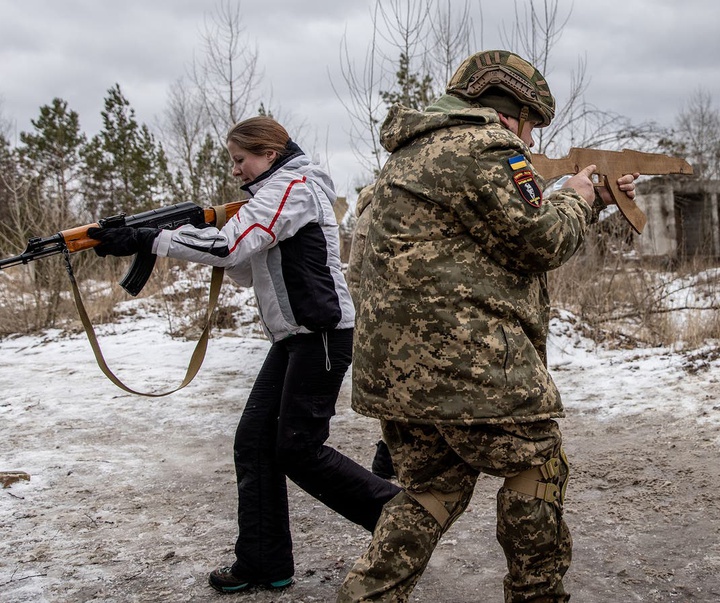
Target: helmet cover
{"type": "Point", "coordinates": [494, 74]}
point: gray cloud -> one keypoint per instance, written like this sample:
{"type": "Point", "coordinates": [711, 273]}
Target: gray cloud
{"type": "Point", "coordinates": [644, 58]}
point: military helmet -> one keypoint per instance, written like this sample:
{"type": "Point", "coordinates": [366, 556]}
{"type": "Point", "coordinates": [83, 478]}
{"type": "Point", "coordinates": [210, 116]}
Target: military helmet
{"type": "Point", "coordinates": [489, 77]}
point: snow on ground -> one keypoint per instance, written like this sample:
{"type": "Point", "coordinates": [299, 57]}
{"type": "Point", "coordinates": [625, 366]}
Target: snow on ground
{"type": "Point", "coordinates": [632, 381]}
{"type": "Point", "coordinates": [58, 413]}
{"type": "Point", "coordinates": [58, 372]}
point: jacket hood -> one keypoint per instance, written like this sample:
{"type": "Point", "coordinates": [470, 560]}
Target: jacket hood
{"type": "Point", "coordinates": [403, 125]}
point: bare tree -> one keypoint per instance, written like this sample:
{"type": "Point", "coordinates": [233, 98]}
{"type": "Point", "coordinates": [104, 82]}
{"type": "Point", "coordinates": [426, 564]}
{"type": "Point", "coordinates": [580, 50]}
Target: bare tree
{"type": "Point", "coordinates": [17, 212]}
{"type": "Point", "coordinates": [185, 126]}
{"type": "Point", "coordinates": [33, 299]}
{"type": "Point", "coordinates": [412, 48]}
{"type": "Point", "coordinates": [220, 90]}
{"type": "Point", "coordinates": [363, 103]}
{"type": "Point", "coordinates": [536, 30]}
{"type": "Point", "coordinates": [228, 75]}
{"type": "Point", "coordinates": [697, 135]}
{"type": "Point", "coordinates": [453, 40]}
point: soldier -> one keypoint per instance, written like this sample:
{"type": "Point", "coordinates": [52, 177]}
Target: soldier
{"type": "Point", "coordinates": [450, 346]}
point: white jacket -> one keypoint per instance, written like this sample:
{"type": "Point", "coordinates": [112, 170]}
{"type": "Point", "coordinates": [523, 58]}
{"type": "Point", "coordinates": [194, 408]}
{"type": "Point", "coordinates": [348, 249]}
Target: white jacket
{"type": "Point", "coordinates": [284, 243]}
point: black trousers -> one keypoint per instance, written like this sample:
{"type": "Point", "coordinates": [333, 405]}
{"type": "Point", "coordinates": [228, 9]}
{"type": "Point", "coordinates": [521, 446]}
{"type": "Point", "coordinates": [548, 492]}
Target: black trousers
{"type": "Point", "coordinates": [282, 432]}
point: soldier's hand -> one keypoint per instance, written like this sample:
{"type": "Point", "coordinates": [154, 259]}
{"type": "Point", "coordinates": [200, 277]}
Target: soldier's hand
{"type": "Point", "coordinates": [583, 184]}
{"type": "Point", "coordinates": [625, 183]}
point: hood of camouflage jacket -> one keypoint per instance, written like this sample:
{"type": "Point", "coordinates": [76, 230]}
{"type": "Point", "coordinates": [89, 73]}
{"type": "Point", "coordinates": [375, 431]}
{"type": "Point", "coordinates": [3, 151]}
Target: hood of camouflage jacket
{"type": "Point", "coordinates": [402, 124]}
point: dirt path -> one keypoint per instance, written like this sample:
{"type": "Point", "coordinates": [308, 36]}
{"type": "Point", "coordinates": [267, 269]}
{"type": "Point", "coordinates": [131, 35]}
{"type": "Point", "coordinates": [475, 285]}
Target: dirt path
{"type": "Point", "coordinates": [132, 508]}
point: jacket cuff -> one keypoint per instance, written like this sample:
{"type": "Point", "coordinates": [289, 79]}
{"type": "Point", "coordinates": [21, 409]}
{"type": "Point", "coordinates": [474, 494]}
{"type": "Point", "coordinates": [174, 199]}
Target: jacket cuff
{"type": "Point", "coordinates": [161, 244]}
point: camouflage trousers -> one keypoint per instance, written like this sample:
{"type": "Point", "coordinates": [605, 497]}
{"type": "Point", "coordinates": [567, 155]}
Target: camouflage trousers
{"type": "Point", "coordinates": [438, 467]}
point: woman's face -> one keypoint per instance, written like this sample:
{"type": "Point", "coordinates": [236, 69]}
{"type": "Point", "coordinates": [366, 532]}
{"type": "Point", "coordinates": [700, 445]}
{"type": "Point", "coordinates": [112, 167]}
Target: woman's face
{"type": "Point", "coordinates": [248, 166]}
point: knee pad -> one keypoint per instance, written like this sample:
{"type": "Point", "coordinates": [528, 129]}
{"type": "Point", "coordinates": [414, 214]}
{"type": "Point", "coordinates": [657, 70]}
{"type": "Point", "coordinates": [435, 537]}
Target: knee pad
{"type": "Point", "coordinates": [547, 482]}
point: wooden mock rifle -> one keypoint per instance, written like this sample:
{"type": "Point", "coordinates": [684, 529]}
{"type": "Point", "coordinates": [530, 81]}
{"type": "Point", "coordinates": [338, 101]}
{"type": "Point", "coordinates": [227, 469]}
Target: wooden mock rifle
{"type": "Point", "coordinates": [610, 166]}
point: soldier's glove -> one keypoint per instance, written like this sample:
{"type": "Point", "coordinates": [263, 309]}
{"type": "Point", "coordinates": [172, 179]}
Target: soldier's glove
{"type": "Point", "coordinates": [123, 240]}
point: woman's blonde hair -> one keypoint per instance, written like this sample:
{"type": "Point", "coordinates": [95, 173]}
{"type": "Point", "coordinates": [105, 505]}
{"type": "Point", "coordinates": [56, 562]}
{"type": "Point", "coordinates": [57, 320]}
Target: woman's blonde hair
{"type": "Point", "coordinates": [258, 135]}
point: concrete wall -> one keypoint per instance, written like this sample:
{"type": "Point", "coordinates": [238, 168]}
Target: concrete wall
{"type": "Point", "coordinates": [683, 218]}
{"type": "Point", "coordinates": [660, 236]}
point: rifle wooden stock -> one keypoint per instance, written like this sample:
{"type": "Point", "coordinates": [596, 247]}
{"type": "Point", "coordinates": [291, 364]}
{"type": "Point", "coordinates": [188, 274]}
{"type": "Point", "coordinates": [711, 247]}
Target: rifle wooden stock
{"type": "Point", "coordinates": [76, 239]}
{"type": "Point", "coordinates": [230, 210]}
{"type": "Point", "coordinates": [611, 165]}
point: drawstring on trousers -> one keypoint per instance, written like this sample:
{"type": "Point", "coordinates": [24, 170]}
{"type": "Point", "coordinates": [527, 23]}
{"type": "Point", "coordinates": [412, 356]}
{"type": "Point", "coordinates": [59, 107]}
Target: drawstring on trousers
{"type": "Point", "coordinates": [324, 336]}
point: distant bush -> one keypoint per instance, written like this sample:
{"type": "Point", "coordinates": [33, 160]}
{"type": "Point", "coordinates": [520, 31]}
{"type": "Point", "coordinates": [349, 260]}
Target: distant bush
{"type": "Point", "coordinates": [31, 300]}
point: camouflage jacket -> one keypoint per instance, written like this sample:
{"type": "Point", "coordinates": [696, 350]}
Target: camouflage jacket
{"type": "Point", "coordinates": [453, 312]}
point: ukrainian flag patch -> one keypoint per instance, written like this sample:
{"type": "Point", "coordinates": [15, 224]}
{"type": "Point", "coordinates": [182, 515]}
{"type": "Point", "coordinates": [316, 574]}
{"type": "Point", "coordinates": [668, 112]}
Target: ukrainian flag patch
{"type": "Point", "coordinates": [518, 162]}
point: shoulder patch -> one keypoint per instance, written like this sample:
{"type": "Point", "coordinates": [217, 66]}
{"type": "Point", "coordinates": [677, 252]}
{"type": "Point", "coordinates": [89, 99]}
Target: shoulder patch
{"type": "Point", "coordinates": [528, 188]}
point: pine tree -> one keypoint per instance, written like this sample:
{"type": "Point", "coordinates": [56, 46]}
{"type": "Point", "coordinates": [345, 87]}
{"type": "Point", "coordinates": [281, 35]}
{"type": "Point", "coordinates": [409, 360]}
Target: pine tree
{"type": "Point", "coordinates": [51, 157]}
{"type": "Point", "coordinates": [126, 171]}
{"type": "Point", "coordinates": [413, 90]}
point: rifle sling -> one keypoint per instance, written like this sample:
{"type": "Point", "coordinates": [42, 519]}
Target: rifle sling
{"type": "Point", "coordinates": [198, 354]}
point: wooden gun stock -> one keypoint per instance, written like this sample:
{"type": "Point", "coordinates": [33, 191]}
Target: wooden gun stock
{"type": "Point", "coordinates": [611, 165]}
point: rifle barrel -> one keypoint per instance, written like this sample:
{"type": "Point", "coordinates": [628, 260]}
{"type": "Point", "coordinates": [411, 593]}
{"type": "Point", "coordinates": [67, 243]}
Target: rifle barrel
{"type": "Point", "coordinates": [37, 248]}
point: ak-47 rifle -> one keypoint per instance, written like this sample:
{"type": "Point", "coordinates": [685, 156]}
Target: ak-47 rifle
{"type": "Point", "coordinates": [610, 166]}
{"type": "Point", "coordinates": [76, 239]}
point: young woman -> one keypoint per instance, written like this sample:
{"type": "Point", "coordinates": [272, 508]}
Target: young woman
{"type": "Point", "coordinates": [284, 243]}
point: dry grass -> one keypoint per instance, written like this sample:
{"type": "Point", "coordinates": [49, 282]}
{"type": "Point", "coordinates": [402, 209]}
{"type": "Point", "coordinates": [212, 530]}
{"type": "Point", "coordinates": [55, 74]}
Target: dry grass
{"type": "Point", "coordinates": [39, 296]}
{"type": "Point", "coordinates": [640, 302]}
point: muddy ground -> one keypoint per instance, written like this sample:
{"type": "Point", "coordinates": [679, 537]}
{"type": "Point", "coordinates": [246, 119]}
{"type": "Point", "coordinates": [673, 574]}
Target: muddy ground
{"type": "Point", "coordinates": [134, 500]}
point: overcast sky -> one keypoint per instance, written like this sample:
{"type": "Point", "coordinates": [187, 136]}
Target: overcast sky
{"type": "Point", "coordinates": [645, 58]}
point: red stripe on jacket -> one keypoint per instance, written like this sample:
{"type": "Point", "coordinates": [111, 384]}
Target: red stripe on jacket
{"type": "Point", "coordinates": [268, 229]}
